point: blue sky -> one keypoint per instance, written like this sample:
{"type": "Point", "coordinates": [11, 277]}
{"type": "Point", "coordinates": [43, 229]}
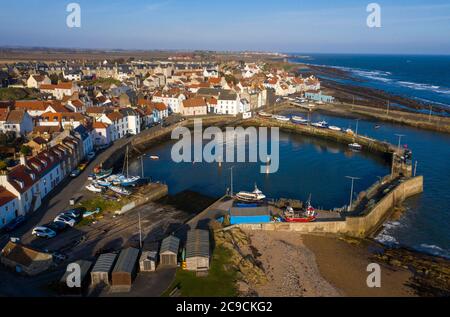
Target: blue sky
{"type": "Point", "coordinates": [408, 26]}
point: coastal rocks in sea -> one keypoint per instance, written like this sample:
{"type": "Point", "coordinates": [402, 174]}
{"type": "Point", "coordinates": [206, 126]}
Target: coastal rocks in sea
{"type": "Point", "coordinates": [431, 275]}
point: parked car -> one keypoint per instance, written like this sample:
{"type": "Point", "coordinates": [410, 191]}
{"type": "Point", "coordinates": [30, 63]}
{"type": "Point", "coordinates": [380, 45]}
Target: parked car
{"type": "Point", "coordinates": [91, 156]}
{"type": "Point", "coordinates": [43, 232]}
{"type": "Point", "coordinates": [56, 226]}
{"type": "Point", "coordinates": [13, 225]}
{"type": "Point", "coordinates": [65, 219]}
{"type": "Point", "coordinates": [76, 213]}
{"type": "Point", "coordinates": [82, 166]}
{"type": "Point", "coordinates": [75, 173]}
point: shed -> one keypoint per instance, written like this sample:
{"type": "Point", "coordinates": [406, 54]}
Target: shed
{"type": "Point", "coordinates": [254, 215]}
{"type": "Point", "coordinates": [197, 250]}
{"type": "Point", "coordinates": [101, 272]}
{"type": "Point", "coordinates": [25, 259]}
{"type": "Point", "coordinates": [169, 251]}
{"type": "Point", "coordinates": [85, 267]}
{"type": "Point", "coordinates": [125, 269]}
{"type": "Point", "coordinates": [148, 260]}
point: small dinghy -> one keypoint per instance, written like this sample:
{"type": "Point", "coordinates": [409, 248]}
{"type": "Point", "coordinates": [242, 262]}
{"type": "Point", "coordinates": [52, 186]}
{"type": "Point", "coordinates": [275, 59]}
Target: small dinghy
{"type": "Point", "coordinates": [120, 190]}
{"type": "Point", "coordinates": [93, 188]}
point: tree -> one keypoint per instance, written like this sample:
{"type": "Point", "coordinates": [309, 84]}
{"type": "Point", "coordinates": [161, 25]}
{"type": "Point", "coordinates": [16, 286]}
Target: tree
{"type": "Point", "coordinates": [25, 150]}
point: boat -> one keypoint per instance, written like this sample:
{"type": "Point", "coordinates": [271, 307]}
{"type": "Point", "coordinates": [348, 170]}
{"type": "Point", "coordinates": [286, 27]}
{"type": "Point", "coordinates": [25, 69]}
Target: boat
{"type": "Point", "coordinates": [308, 216]}
{"type": "Point", "coordinates": [355, 146]}
{"type": "Point", "coordinates": [102, 183]}
{"type": "Point", "coordinates": [103, 174]}
{"type": "Point", "coordinates": [126, 181]}
{"type": "Point", "coordinates": [91, 213]}
{"type": "Point", "coordinates": [93, 188]}
{"type": "Point", "coordinates": [334, 128]}
{"type": "Point", "coordinates": [376, 127]}
{"type": "Point", "coordinates": [349, 131]}
{"type": "Point", "coordinates": [154, 157]}
{"type": "Point", "coordinates": [281, 118]}
{"type": "Point", "coordinates": [321, 124]}
{"type": "Point", "coordinates": [120, 190]}
{"type": "Point", "coordinates": [254, 196]}
{"type": "Point", "coordinates": [299, 120]}
{"type": "Point", "coordinates": [264, 114]}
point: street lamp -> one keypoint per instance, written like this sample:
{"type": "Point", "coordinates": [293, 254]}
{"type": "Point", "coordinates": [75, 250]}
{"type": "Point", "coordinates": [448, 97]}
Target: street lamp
{"type": "Point", "coordinates": [351, 192]}
{"type": "Point", "coordinates": [400, 136]}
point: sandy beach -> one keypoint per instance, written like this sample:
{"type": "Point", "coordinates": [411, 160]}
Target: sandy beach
{"type": "Point", "coordinates": [301, 265]}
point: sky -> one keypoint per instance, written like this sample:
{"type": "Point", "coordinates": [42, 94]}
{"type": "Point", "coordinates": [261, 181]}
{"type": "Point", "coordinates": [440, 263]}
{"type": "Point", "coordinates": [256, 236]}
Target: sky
{"type": "Point", "coordinates": [303, 26]}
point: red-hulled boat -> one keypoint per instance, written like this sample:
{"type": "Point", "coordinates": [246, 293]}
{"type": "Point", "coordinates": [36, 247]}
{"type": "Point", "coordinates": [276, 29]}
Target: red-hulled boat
{"type": "Point", "coordinates": [310, 215]}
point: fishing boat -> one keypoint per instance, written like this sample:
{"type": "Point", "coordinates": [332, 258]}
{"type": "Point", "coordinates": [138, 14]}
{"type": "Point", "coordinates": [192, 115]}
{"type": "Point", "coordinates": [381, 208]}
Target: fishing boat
{"type": "Point", "coordinates": [103, 174]}
{"type": "Point", "coordinates": [281, 118]}
{"type": "Point", "coordinates": [120, 190]}
{"type": "Point", "coordinates": [334, 128]}
{"type": "Point", "coordinates": [254, 196]}
{"type": "Point", "coordinates": [321, 124]}
{"type": "Point", "coordinates": [264, 114]}
{"type": "Point", "coordinates": [91, 213]}
{"type": "Point", "coordinates": [299, 120]}
{"type": "Point", "coordinates": [355, 146]}
{"type": "Point", "coordinates": [308, 216]}
{"type": "Point", "coordinates": [93, 188]}
{"type": "Point", "coordinates": [154, 157]}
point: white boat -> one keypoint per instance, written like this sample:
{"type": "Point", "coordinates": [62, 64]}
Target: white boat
{"type": "Point", "coordinates": [126, 181]}
{"type": "Point", "coordinates": [321, 124]}
{"type": "Point", "coordinates": [355, 146]}
{"type": "Point", "coordinates": [281, 118]}
{"type": "Point", "coordinates": [256, 195]}
{"type": "Point", "coordinates": [264, 114]}
{"type": "Point", "coordinates": [120, 190]}
{"type": "Point", "coordinates": [299, 120]}
{"type": "Point", "coordinates": [154, 157]}
{"type": "Point", "coordinates": [102, 183]}
{"type": "Point", "coordinates": [334, 128]}
{"type": "Point", "coordinates": [113, 177]}
{"type": "Point", "coordinates": [349, 131]}
{"type": "Point", "coordinates": [93, 188]}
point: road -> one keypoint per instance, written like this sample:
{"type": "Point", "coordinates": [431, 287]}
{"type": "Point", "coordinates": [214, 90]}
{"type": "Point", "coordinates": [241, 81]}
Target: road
{"type": "Point", "coordinates": [58, 199]}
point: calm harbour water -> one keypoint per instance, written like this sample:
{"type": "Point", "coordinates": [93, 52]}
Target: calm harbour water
{"type": "Point", "coordinates": [313, 166]}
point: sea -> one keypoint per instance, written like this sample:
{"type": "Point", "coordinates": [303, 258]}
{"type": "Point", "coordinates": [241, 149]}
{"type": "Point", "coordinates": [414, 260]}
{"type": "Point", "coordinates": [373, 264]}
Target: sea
{"type": "Point", "coordinates": [425, 78]}
{"type": "Point", "coordinates": [310, 166]}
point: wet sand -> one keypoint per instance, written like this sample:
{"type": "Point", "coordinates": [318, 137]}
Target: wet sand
{"type": "Point", "coordinates": [344, 265]}
{"type": "Point", "coordinates": [316, 266]}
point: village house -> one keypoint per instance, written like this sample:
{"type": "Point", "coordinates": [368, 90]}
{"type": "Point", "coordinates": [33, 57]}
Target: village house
{"type": "Point", "coordinates": [228, 103]}
{"type": "Point", "coordinates": [196, 106]}
{"type": "Point", "coordinates": [60, 90]}
{"type": "Point", "coordinates": [36, 81]}
{"type": "Point", "coordinates": [102, 134]}
{"type": "Point", "coordinates": [24, 259]}
{"type": "Point", "coordinates": [8, 207]}
{"type": "Point", "coordinates": [17, 121]}
{"type": "Point", "coordinates": [63, 119]}
{"type": "Point", "coordinates": [172, 99]}
{"type": "Point", "coordinates": [35, 108]}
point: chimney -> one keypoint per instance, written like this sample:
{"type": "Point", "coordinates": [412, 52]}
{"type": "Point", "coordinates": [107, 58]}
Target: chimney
{"type": "Point", "coordinates": [23, 160]}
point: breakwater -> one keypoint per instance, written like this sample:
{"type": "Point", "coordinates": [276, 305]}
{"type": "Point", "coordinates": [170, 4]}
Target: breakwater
{"type": "Point", "coordinates": [355, 226]}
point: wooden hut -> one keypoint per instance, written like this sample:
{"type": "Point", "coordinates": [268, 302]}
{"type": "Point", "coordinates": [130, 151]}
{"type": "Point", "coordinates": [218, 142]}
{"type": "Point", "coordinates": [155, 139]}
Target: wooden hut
{"type": "Point", "coordinates": [169, 251]}
{"type": "Point", "coordinates": [197, 250]}
{"type": "Point", "coordinates": [101, 272]}
{"type": "Point", "coordinates": [125, 269]}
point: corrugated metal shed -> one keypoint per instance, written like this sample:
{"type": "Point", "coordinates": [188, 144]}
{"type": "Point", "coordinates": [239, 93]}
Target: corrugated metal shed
{"type": "Point", "coordinates": [85, 266]}
{"type": "Point", "coordinates": [170, 244]}
{"type": "Point", "coordinates": [125, 268]}
{"type": "Point", "coordinates": [147, 262]}
{"type": "Point", "coordinates": [102, 268]}
{"type": "Point", "coordinates": [197, 243]}
{"type": "Point", "coordinates": [126, 262]}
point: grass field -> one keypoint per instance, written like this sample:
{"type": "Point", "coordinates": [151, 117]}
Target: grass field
{"type": "Point", "coordinates": [220, 281]}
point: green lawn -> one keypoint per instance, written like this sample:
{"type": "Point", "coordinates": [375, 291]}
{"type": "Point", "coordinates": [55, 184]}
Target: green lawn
{"type": "Point", "coordinates": [220, 281]}
{"type": "Point", "coordinates": [98, 202]}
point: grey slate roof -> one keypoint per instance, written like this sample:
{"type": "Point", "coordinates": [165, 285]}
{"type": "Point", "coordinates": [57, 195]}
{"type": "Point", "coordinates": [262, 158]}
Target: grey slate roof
{"type": "Point", "coordinates": [254, 211]}
{"type": "Point", "coordinates": [105, 263]}
{"type": "Point", "coordinates": [197, 244]}
{"type": "Point", "coordinates": [127, 260]}
{"type": "Point", "coordinates": [171, 243]}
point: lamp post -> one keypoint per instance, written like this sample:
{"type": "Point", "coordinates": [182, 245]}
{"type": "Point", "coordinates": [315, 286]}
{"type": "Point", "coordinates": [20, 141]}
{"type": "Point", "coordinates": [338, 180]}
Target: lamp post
{"type": "Point", "coordinates": [400, 136]}
{"type": "Point", "coordinates": [351, 192]}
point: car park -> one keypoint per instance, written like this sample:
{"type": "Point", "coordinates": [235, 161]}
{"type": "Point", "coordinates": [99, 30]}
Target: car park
{"type": "Point", "coordinates": [43, 232]}
{"type": "Point", "coordinates": [56, 226]}
{"type": "Point", "coordinates": [65, 219]}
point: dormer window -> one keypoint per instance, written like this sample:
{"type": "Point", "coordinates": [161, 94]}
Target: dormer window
{"type": "Point", "coordinates": [20, 183]}
{"type": "Point", "coordinates": [32, 176]}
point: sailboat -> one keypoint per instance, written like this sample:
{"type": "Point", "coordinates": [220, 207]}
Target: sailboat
{"type": "Point", "coordinates": [355, 146]}
{"type": "Point", "coordinates": [126, 181]}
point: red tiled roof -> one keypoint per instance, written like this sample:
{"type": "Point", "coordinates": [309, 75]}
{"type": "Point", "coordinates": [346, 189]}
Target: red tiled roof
{"type": "Point", "coordinates": [5, 196]}
{"type": "Point", "coordinates": [194, 102]}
